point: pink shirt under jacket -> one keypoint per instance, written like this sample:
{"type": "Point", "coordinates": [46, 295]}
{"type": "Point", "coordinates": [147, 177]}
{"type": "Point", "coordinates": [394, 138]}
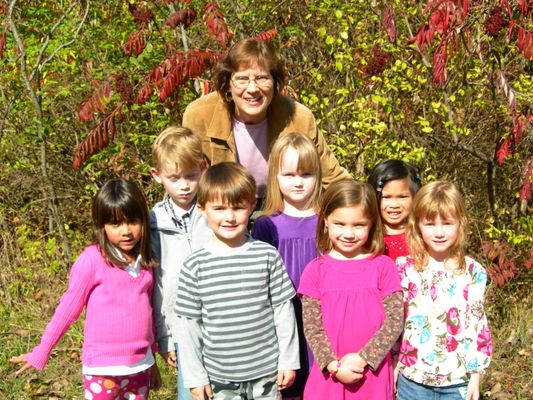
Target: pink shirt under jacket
{"type": "Point", "coordinates": [118, 322]}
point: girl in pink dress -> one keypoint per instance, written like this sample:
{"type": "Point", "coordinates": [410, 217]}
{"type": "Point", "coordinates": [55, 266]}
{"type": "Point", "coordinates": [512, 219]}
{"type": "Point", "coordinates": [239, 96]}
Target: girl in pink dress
{"type": "Point", "coordinates": [113, 281]}
{"type": "Point", "coordinates": [352, 300]}
{"type": "Point", "coordinates": [396, 184]}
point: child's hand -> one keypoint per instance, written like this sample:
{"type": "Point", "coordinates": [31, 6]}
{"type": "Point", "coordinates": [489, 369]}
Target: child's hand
{"type": "Point", "coordinates": [155, 377]}
{"type": "Point", "coordinates": [472, 391]}
{"type": "Point", "coordinates": [354, 362]}
{"type": "Point", "coordinates": [346, 374]}
{"type": "Point", "coordinates": [285, 379]}
{"type": "Point", "coordinates": [170, 358]}
{"type": "Point", "coordinates": [396, 369]}
{"type": "Point", "coordinates": [21, 359]}
{"type": "Point", "coordinates": [202, 392]}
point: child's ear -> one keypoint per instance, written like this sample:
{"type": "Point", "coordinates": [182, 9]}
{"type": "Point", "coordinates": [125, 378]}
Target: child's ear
{"type": "Point", "coordinates": [155, 175]}
{"type": "Point", "coordinates": [203, 166]}
{"type": "Point", "coordinates": [201, 209]}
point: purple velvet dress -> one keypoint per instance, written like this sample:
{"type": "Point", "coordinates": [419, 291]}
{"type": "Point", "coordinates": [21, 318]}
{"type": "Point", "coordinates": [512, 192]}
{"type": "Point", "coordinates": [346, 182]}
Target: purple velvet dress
{"type": "Point", "coordinates": [294, 237]}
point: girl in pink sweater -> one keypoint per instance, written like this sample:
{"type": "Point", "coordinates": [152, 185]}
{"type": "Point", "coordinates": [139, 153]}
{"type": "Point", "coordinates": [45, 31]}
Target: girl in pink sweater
{"type": "Point", "coordinates": [112, 279]}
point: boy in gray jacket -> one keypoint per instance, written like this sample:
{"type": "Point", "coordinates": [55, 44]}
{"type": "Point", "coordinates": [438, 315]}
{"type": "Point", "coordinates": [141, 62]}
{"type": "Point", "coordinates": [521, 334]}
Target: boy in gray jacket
{"type": "Point", "coordinates": [177, 229]}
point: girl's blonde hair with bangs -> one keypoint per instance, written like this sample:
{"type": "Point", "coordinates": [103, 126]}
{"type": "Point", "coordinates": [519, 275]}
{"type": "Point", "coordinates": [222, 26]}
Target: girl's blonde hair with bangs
{"type": "Point", "coordinates": [308, 161]}
{"type": "Point", "coordinates": [439, 198]}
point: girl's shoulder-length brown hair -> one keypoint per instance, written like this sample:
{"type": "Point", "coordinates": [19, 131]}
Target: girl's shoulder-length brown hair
{"type": "Point", "coordinates": [119, 200]}
{"type": "Point", "coordinates": [350, 193]}
{"type": "Point", "coordinates": [438, 198]}
{"type": "Point", "coordinates": [308, 162]}
{"type": "Point", "coordinates": [246, 53]}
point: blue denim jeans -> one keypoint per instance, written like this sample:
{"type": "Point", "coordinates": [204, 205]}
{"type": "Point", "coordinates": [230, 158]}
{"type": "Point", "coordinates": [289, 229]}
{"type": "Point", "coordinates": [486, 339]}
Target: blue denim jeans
{"type": "Point", "coordinates": [409, 390]}
{"type": "Point", "coordinates": [183, 392]}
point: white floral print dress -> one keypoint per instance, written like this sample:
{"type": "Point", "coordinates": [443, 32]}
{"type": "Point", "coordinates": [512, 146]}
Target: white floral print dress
{"type": "Point", "coordinates": [446, 333]}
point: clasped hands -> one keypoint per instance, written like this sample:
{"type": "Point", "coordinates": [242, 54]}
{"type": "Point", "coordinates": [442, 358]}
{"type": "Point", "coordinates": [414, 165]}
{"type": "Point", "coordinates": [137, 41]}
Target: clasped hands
{"type": "Point", "coordinates": [351, 369]}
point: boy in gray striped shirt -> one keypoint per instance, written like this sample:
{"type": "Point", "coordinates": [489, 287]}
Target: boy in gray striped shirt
{"type": "Point", "coordinates": [236, 325]}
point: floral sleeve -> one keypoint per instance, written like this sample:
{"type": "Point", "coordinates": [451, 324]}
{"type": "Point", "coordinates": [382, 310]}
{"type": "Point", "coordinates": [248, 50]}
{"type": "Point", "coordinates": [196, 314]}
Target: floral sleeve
{"type": "Point", "coordinates": [477, 327]}
{"type": "Point", "coordinates": [314, 332]}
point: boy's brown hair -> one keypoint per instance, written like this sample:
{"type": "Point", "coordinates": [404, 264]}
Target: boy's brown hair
{"type": "Point", "coordinates": [179, 146]}
{"type": "Point", "coordinates": [226, 181]}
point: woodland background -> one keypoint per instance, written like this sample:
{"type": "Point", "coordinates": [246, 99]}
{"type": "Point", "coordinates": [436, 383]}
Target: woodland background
{"type": "Point", "coordinates": [87, 85]}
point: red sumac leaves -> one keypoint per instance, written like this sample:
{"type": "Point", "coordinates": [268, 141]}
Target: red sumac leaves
{"type": "Point", "coordinates": [99, 137]}
{"type": "Point", "coordinates": [183, 17]}
{"type": "Point", "coordinates": [216, 24]}
{"type": "Point", "coordinates": [267, 35]}
{"type": "Point", "coordinates": [96, 103]}
{"type": "Point", "coordinates": [136, 43]}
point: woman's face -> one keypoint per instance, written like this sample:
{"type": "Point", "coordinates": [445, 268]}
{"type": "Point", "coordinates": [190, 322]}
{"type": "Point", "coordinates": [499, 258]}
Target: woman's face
{"type": "Point", "coordinates": [252, 91]}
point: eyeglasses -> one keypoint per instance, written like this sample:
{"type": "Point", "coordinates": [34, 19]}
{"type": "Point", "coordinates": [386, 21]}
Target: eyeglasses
{"type": "Point", "coordinates": [262, 81]}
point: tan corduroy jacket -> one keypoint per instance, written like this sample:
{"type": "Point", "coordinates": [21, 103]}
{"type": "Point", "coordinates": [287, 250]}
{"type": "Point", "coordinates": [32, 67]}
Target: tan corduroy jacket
{"type": "Point", "coordinates": [210, 118]}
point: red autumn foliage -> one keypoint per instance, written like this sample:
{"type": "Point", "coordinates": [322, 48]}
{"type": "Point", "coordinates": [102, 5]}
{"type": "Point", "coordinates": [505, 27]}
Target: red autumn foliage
{"type": "Point", "coordinates": [124, 88]}
{"type": "Point", "coordinates": [99, 137]}
{"type": "Point", "coordinates": [525, 42]}
{"type": "Point", "coordinates": [267, 35]}
{"type": "Point", "coordinates": [216, 24]}
{"type": "Point", "coordinates": [3, 42]}
{"type": "Point", "coordinates": [136, 43]}
{"type": "Point", "coordinates": [140, 15]}
{"type": "Point", "coordinates": [183, 17]}
{"type": "Point", "coordinates": [495, 22]}
{"type": "Point", "coordinates": [169, 2]}
{"type": "Point", "coordinates": [96, 103]}
{"type": "Point", "coordinates": [379, 61]}
{"type": "Point", "coordinates": [525, 191]}
{"type": "Point", "coordinates": [184, 68]}
{"type": "Point", "coordinates": [423, 36]}
{"type": "Point", "coordinates": [503, 266]}
{"type": "Point", "coordinates": [387, 19]}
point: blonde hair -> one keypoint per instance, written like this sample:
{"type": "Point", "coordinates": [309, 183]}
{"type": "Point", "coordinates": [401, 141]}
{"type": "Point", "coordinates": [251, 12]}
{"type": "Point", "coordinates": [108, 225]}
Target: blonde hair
{"type": "Point", "coordinates": [308, 161]}
{"type": "Point", "coordinates": [227, 181]}
{"type": "Point", "coordinates": [439, 198]}
{"type": "Point", "coordinates": [350, 193]}
{"type": "Point", "coordinates": [179, 146]}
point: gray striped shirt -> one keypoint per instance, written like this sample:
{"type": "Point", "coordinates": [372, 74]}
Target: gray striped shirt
{"type": "Point", "coordinates": [232, 295]}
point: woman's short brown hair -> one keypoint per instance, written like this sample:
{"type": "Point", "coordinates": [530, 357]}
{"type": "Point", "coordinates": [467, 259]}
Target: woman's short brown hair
{"type": "Point", "coordinates": [247, 53]}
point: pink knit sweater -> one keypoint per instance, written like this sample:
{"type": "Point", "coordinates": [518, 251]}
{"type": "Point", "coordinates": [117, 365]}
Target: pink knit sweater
{"type": "Point", "coordinates": [118, 322]}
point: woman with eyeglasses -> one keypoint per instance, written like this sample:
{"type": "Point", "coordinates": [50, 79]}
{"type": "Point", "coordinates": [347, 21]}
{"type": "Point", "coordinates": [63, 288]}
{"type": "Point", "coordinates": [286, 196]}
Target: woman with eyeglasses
{"type": "Point", "coordinates": [247, 113]}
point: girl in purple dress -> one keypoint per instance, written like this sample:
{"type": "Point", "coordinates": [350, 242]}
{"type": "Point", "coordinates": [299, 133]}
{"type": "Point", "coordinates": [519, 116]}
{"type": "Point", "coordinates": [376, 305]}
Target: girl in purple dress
{"type": "Point", "coordinates": [352, 299]}
{"type": "Point", "coordinates": [289, 221]}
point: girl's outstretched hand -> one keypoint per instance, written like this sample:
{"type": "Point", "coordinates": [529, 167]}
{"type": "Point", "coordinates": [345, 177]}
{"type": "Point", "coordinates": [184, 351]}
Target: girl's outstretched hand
{"type": "Point", "coordinates": [21, 359]}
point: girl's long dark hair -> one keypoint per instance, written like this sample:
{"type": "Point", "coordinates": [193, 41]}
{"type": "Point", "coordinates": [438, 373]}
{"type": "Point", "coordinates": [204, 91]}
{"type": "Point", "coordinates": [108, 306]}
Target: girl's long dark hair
{"type": "Point", "coordinates": [118, 201]}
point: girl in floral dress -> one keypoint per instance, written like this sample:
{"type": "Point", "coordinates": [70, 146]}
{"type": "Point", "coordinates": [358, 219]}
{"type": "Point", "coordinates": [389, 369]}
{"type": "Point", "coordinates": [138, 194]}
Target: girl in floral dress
{"type": "Point", "coordinates": [446, 344]}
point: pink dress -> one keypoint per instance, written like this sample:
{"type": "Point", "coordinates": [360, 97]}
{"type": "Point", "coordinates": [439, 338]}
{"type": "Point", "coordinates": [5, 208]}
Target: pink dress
{"type": "Point", "coordinates": [351, 294]}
